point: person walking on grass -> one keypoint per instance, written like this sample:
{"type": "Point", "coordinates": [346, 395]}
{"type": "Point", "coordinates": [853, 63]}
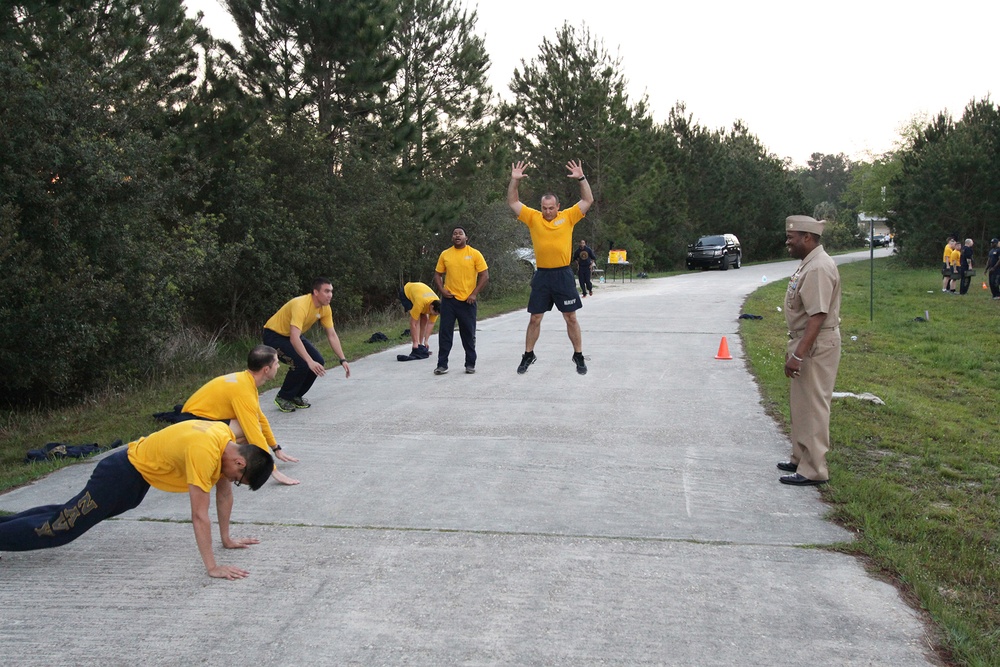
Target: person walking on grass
{"type": "Point", "coordinates": [956, 266]}
{"type": "Point", "coordinates": [552, 237]}
{"type": "Point", "coordinates": [460, 275]}
{"type": "Point", "coordinates": [946, 267]}
{"type": "Point", "coordinates": [992, 268]}
{"type": "Point", "coordinates": [965, 268]}
{"type": "Point", "coordinates": [284, 332]}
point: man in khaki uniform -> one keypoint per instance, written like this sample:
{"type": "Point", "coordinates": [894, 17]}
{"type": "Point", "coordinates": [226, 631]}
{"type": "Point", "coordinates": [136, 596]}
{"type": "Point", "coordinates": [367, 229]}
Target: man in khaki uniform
{"type": "Point", "coordinates": [812, 313]}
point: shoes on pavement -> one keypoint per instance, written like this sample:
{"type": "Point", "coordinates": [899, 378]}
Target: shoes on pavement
{"type": "Point", "coordinates": [300, 403]}
{"type": "Point", "coordinates": [799, 480]}
{"type": "Point", "coordinates": [440, 370]}
{"type": "Point", "coordinates": [581, 365]}
{"type": "Point", "coordinates": [421, 352]}
{"type": "Point", "coordinates": [527, 359]}
{"type": "Point", "coordinates": [284, 404]}
{"type": "Point", "coordinates": [470, 369]}
{"type": "Point", "coordinates": [788, 466]}
{"type": "Point", "coordinates": [591, 294]}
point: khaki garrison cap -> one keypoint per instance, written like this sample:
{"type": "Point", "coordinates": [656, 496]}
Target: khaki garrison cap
{"type": "Point", "coordinates": [803, 223]}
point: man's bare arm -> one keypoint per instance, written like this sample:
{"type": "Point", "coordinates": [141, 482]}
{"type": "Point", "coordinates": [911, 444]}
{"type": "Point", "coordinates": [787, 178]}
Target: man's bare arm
{"type": "Point", "coordinates": [586, 194]}
{"type": "Point", "coordinates": [516, 174]}
{"type": "Point", "coordinates": [200, 501]}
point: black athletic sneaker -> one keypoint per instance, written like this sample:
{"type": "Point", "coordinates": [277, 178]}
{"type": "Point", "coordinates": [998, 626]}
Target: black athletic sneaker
{"type": "Point", "coordinates": [581, 365]}
{"type": "Point", "coordinates": [440, 370]}
{"type": "Point", "coordinates": [284, 404]}
{"type": "Point", "coordinates": [300, 403]}
{"type": "Point", "coordinates": [527, 359]}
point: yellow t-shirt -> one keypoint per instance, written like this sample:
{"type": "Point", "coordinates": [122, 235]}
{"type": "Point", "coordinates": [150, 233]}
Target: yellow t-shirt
{"type": "Point", "coordinates": [421, 296]}
{"type": "Point", "coordinates": [299, 312]}
{"type": "Point", "coordinates": [956, 258]}
{"type": "Point", "coordinates": [234, 396]}
{"type": "Point", "coordinates": [461, 269]}
{"type": "Point", "coordinates": [947, 254]}
{"type": "Point", "coordinates": [181, 454]}
{"type": "Point", "coordinates": [553, 241]}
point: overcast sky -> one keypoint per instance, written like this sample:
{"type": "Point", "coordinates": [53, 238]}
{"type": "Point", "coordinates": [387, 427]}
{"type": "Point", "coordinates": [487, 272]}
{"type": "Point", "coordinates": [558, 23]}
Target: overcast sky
{"type": "Point", "coordinates": [805, 77]}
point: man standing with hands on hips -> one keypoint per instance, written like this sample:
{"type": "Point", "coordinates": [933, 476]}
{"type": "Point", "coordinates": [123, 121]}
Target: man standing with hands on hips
{"type": "Point", "coordinates": [812, 313]}
{"type": "Point", "coordinates": [552, 237]}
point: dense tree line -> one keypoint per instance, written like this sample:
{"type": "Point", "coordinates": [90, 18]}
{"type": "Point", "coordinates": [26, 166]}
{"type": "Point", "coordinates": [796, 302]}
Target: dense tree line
{"type": "Point", "coordinates": [156, 179]}
{"type": "Point", "coordinates": [947, 182]}
{"type": "Point", "coordinates": [943, 179]}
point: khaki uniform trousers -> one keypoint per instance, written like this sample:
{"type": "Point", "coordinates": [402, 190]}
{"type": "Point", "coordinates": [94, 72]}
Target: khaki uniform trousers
{"type": "Point", "coordinates": [810, 396]}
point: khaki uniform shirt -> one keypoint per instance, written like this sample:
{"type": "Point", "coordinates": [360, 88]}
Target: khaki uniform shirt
{"type": "Point", "coordinates": [813, 288]}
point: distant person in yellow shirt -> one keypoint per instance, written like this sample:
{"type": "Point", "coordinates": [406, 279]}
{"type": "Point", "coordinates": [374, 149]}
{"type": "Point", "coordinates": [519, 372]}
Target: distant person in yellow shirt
{"type": "Point", "coordinates": [461, 273]}
{"type": "Point", "coordinates": [956, 266]}
{"type": "Point", "coordinates": [190, 457]}
{"type": "Point", "coordinates": [284, 332]}
{"type": "Point", "coordinates": [234, 398]}
{"type": "Point", "coordinates": [552, 237]}
{"type": "Point", "coordinates": [946, 264]}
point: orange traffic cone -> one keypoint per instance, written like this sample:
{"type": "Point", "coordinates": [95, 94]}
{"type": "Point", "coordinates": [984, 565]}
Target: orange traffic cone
{"type": "Point", "coordinates": [723, 350]}
{"type": "Point", "coordinates": [984, 286]}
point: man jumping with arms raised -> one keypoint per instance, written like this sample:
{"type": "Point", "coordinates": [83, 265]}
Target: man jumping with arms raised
{"type": "Point", "coordinates": [553, 282]}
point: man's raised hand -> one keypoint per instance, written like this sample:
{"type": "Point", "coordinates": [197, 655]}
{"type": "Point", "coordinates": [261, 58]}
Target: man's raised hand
{"type": "Point", "coordinates": [517, 170]}
{"type": "Point", "coordinates": [575, 169]}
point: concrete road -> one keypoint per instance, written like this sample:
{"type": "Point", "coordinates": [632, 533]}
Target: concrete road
{"type": "Point", "coordinates": [629, 516]}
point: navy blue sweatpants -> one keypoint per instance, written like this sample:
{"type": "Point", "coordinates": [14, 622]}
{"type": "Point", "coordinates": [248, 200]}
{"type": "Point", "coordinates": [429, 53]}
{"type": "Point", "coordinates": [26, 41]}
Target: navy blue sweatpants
{"type": "Point", "coordinates": [300, 377]}
{"type": "Point", "coordinates": [451, 310]}
{"type": "Point", "coordinates": [114, 487]}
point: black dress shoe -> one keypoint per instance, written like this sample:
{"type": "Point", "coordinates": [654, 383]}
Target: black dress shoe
{"type": "Point", "coordinates": [788, 466]}
{"type": "Point", "coordinates": [799, 480]}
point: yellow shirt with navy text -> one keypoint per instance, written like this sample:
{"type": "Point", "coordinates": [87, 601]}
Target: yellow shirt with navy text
{"type": "Point", "coordinates": [553, 241]}
{"type": "Point", "coordinates": [421, 296]}
{"type": "Point", "coordinates": [461, 269]}
{"type": "Point", "coordinates": [181, 454]}
{"type": "Point", "coordinates": [234, 396]}
{"type": "Point", "coordinates": [299, 312]}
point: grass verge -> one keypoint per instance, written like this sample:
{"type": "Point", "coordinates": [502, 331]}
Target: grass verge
{"type": "Point", "coordinates": [916, 479]}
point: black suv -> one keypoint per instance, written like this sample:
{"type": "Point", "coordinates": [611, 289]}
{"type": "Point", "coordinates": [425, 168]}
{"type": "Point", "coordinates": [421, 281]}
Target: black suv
{"type": "Point", "coordinates": [721, 250]}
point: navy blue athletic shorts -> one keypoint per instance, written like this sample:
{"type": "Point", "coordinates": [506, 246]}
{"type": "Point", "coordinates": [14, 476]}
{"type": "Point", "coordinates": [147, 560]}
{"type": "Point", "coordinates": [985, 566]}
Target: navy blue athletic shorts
{"type": "Point", "coordinates": [554, 287]}
{"type": "Point", "coordinates": [407, 304]}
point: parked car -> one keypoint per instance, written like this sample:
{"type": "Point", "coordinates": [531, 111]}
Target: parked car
{"type": "Point", "coordinates": [721, 250]}
{"type": "Point", "coordinates": [526, 256]}
{"type": "Point", "coordinates": [878, 240]}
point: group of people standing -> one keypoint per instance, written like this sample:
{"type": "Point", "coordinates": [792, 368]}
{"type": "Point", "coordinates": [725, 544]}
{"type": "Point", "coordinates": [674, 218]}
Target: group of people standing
{"type": "Point", "coordinates": [956, 270]}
